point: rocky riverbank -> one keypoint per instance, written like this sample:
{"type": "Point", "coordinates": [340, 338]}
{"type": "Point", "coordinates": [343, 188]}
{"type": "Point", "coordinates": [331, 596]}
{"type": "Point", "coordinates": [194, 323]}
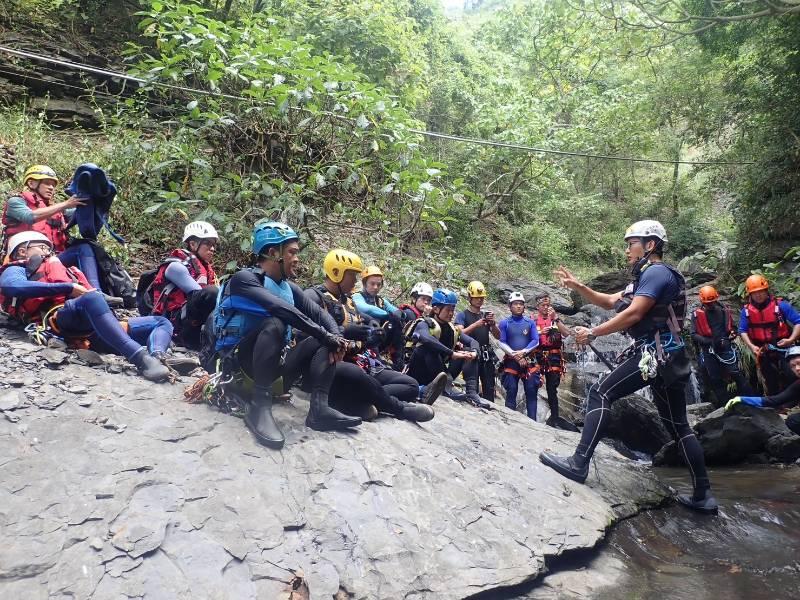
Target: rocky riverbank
{"type": "Point", "coordinates": [113, 487]}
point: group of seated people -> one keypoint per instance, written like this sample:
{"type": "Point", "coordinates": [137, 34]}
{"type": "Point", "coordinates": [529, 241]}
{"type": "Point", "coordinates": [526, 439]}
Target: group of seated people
{"type": "Point", "coordinates": [355, 352]}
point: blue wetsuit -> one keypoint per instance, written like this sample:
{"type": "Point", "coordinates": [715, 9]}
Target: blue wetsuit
{"type": "Point", "coordinates": [519, 333]}
{"type": "Point", "coordinates": [90, 314]}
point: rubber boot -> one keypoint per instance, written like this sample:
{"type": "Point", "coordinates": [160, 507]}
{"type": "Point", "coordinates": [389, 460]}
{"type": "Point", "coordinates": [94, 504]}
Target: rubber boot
{"type": "Point", "coordinates": [149, 367]}
{"type": "Point", "coordinates": [414, 411]}
{"type": "Point", "coordinates": [575, 467]}
{"type": "Point", "coordinates": [451, 392]}
{"type": "Point", "coordinates": [474, 397]}
{"type": "Point", "coordinates": [260, 422]}
{"type": "Point", "coordinates": [705, 503]}
{"type": "Point", "coordinates": [434, 389]}
{"type": "Point", "coordinates": [322, 417]}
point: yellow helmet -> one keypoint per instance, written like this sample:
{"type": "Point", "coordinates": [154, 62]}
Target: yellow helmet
{"type": "Point", "coordinates": [39, 172]}
{"type": "Point", "coordinates": [338, 261]}
{"type": "Point", "coordinates": [476, 289]}
{"type": "Point", "coordinates": [370, 271]}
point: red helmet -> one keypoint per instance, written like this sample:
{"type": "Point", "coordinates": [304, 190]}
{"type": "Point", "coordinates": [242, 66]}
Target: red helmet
{"type": "Point", "coordinates": [756, 283]}
{"type": "Point", "coordinates": [708, 294]}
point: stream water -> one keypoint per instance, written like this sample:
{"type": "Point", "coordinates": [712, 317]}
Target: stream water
{"type": "Point", "coordinates": [751, 550]}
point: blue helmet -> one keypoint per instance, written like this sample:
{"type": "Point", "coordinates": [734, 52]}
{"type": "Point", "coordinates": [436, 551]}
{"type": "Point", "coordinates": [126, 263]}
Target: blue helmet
{"type": "Point", "coordinates": [271, 233]}
{"type": "Point", "coordinates": [442, 297]}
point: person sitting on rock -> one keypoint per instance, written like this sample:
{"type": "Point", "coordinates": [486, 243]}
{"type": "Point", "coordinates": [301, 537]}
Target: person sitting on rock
{"type": "Point", "coordinates": [373, 306]}
{"type": "Point", "coordinates": [257, 311]}
{"type": "Point", "coordinates": [478, 324]}
{"type": "Point", "coordinates": [436, 342]}
{"type": "Point", "coordinates": [786, 399]}
{"type": "Point", "coordinates": [185, 286]}
{"type": "Point", "coordinates": [33, 209]}
{"type": "Point", "coordinates": [420, 306]}
{"type": "Point", "coordinates": [713, 331]}
{"type": "Point", "coordinates": [362, 378]}
{"type": "Point", "coordinates": [651, 310]}
{"type": "Point", "coordinates": [519, 339]}
{"type": "Point", "coordinates": [768, 325]}
{"type": "Point", "coordinates": [549, 353]}
{"type": "Point", "coordinates": [36, 287]}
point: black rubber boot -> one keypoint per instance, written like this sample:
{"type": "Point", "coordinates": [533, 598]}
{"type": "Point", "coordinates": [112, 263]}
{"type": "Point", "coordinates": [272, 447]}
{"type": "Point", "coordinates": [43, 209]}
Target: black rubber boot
{"type": "Point", "coordinates": [473, 396]}
{"type": "Point", "coordinates": [260, 422]}
{"type": "Point", "coordinates": [150, 367]}
{"type": "Point", "coordinates": [434, 389]}
{"type": "Point", "coordinates": [574, 467]}
{"type": "Point", "coordinates": [707, 504]}
{"type": "Point", "coordinates": [451, 392]}
{"type": "Point", "coordinates": [414, 411]}
{"type": "Point", "coordinates": [183, 365]}
{"type": "Point", "coordinates": [322, 417]}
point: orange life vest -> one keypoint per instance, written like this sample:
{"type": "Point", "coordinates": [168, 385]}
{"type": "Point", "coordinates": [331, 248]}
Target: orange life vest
{"type": "Point", "coordinates": [51, 270]}
{"type": "Point", "coordinates": [54, 227]}
{"type": "Point", "coordinates": [702, 326]}
{"type": "Point", "coordinates": [766, 325]}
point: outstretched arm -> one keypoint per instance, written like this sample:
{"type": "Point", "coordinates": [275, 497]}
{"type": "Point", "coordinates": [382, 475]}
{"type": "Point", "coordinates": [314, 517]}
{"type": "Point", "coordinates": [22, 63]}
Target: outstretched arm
{"type": "Point", "coordinates": [568, 280]}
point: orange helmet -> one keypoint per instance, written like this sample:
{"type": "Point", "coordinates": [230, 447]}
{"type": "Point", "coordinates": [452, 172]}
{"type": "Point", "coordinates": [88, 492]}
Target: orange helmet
{"type": "Point", "coordinates": [756, 283]}
{"type": "Point", "coordinates": [708, 294]}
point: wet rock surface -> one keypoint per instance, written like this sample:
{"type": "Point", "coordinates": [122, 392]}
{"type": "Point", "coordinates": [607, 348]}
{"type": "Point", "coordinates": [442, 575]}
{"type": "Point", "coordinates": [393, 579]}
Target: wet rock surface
{"type": "Point", "coordinates": [743, 434]}
{"type": "Point", "coordinates": [114, 487]}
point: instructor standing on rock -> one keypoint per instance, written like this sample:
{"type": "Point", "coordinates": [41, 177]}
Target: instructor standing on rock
{"type": "Point", "coordinates": [651, 310]}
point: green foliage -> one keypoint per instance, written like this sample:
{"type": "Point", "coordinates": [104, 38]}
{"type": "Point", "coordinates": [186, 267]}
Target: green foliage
{"type": "Point", "coordinates": [784, 276]}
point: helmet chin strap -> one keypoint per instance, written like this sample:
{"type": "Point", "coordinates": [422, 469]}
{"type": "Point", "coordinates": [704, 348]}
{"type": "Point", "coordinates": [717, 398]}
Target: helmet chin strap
{"type": "Point", "coordinates": [639, 264]}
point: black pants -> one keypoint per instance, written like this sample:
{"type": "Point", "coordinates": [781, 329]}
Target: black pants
{"type": "Point", "coordinates": [426, 364]}
{"type": "Point", "coordinates": [771, 366]}
{"type": "Point", "coordinates": [552, 379]}
{"type": "Point", "coordinates": [793, 422]}
{"type": "Point", "coordinates": [401, 386]}
{"type": "Point", "coordinates": [351, 385]}
{"type": "Point", "coordinates": [668, 394]}
{"type": "Point", "coordinates": [717, 369]}
{"type": "Point", "coordinates": [484, 371]}
{"type": "Point", "coordinates": [190, 321]}
{"type": "Point", "coordinates": [259, 355]}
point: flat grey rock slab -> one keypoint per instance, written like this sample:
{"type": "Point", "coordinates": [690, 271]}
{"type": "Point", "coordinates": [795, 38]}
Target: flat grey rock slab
{"type": "Point", "coordinates": [184, 504]}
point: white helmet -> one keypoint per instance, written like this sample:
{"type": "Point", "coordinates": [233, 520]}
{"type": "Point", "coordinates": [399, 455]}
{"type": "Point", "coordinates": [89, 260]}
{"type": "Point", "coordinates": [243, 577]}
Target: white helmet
{"type": "Point", "coordinates": [645, 229]}
{"type": "Point", "coordinates": [516, 297]}
{"type": "Point", "coordinates": [792, 352]}
{"type": "Point", "coordinates": [25, 237]}
{"type": "Point", "coordinates": [199, 229]}
{"type": "Point", "coordinates": [422, 289]}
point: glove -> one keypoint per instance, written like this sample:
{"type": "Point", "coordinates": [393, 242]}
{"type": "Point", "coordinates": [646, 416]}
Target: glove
{"type": "Point", "coordinates": [375, 337]}
{"type": "Point", "coordinates": [333, 342]}
{"type": "Point", "coordinates": [359, 333]}
{"type": "Point", "coordinates": [732, 402]}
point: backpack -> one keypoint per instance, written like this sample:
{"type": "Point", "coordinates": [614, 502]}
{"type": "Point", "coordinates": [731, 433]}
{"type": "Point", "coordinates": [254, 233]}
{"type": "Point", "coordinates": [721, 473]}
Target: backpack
{"type": "Point", "coordinates": [145, 297]}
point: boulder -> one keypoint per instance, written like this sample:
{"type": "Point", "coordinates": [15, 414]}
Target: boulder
{"type": "Point", "coordinates": [559, 296]}
{"type": "Point", "coordinates": [785, 448]}
{"type": "Point", "coordinates": [739, 435]}
{"type": "Point", "coordinates": [607, 283]}
{"type": "Point", "coordinates": [635, 422]}
{"type": "Point", "coordinates": [185, 504]}
{"type": "Point", "coordinates": [729, 437]}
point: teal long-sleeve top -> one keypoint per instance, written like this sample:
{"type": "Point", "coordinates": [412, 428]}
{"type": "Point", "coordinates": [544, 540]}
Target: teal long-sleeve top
{"type": "Point", "coordinates": [366, 305]}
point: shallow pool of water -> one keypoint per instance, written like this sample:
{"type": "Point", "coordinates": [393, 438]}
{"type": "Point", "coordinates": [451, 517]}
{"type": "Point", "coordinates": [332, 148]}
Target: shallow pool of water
{"type": "Point", "coordinates": [751, 550]}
